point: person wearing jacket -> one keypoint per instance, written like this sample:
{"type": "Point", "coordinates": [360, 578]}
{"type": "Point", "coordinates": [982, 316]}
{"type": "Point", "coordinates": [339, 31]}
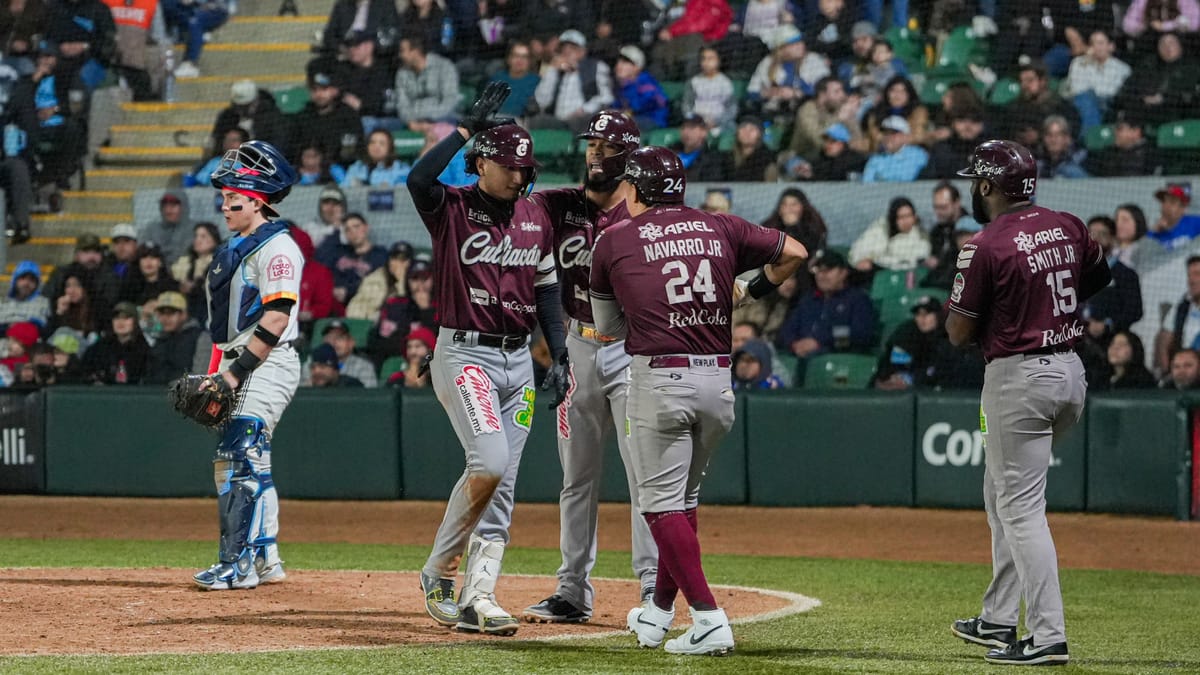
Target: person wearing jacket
{"type": "Point", "coordinates": [638, 93]}
{"type": "Point", "coordinates": [702, 22]}
{"type": "Point", "coordinates": [175, 347]}
{"type": "Point", "coordinates": [390, 280]}
{"type": "Point", "coordinates": [122, 356]}
{"type": "Point", "coordinates": [834, 317]}
{"type": "Point", "coordinates": [173, 232]}
{"type": "Point", "coordinates": [752, 367]}
{"type": "Point", "coordinates": [24, 301]}
{"type": "Point", "coordinates": [253, 110]}
{"type": "Point", "coordinates": [894, 242]}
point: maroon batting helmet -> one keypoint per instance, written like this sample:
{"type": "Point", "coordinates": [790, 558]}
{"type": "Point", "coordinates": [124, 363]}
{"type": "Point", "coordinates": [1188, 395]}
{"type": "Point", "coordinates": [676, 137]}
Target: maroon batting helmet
{"type": "Point", "coordinates": [617, 128]}
{"type": "Point", "coordinates": [1009, 165]}
{"type": "Point", "coordinates": [657, 175]}
{"type": "Point", "coordinates": [507, 145]}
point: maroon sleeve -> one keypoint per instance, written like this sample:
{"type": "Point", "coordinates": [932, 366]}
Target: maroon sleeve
{"type": "Point", "coordinates": [756, 245]}
{"type": "Point", "coordinates": [436, 220]}
{"type": "Point", "coordinates": [972, 288]}
{"type": "Point", "coordinates": [599, 283]}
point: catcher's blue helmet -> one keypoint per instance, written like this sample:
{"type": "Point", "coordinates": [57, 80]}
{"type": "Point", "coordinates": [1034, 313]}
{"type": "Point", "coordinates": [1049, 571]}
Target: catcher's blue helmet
{"type": "Point", "coordinates": [259, 168]}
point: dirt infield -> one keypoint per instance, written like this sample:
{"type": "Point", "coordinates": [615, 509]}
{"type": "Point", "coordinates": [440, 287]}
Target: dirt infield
{"type": "Point", "coordinates": [65, 611]}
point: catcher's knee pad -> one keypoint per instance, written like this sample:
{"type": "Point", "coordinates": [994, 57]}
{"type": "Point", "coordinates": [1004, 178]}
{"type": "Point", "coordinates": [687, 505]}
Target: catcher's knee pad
{"type": "Point", "coordinates": [241, 485]}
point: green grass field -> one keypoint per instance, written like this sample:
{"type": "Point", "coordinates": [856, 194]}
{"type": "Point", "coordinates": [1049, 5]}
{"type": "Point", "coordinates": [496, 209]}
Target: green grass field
{"type": "Point", "coordinates": [876, 617]}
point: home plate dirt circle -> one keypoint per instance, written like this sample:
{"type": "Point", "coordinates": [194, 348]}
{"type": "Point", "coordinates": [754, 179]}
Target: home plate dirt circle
{"type": "Point", "coordinates": [159, 610]}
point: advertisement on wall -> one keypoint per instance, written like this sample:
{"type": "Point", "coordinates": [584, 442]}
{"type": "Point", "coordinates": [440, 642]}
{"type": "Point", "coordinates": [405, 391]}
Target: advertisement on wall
{"type": "Point", "coordinates": [22, 452]}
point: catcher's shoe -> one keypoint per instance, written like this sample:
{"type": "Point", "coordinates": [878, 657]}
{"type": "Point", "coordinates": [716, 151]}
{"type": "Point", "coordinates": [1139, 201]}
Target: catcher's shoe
{"type": "Point", "coordinates": [555, 609]}
{"type": "Point", "coordinates": [439, 599]}
{"type": "Point", "coordinates": [226, 577]}
{"type": "Point", "coordinates": [983, 633]}
{"type": "Point", "coordinates": [269, 573]}
{"type": "Point", "coordinates": [650, 624]}
{"type": "Point", "coordinates": [710, 635]}
{"type": "Point", "coordinates": [485, 616]}
{"type": "Point", "coordinates": [1025, 653]}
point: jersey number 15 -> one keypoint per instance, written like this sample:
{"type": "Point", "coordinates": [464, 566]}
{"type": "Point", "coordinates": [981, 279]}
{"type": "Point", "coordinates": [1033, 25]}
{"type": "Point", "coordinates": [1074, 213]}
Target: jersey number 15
{"type": "Point", "coordinates": [1062, 290]}
{"type": "Point", "coordinates": [679, 290]}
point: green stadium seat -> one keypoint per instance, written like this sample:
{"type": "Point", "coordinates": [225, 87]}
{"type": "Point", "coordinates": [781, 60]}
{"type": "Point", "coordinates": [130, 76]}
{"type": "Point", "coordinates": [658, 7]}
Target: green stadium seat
{"type": "Point", "coordinates": [663, 137]}
{"type": "Point", "coordinates": [360, 329]}
{"type": "Point", "coordinates": [1099, 138]}
{"type": "Point", "coordinates": [390, 366]}
{"type": "Point", "coordinates": [407, 143]}
{"type": "Point", "coordinates": [1181, 134]}
{"type": "Point", "coordinates": [894, 311]}
{"type": "Point", "coordinates": [726, 141]}
{"type": "Point", "coordinates": [960, 48]}
{"type": "Point", "coordinates": [739, 89]}
{"type": "Point", "coordinates": [936, 84]}
{"type": "Point", "coordinates": [673, 89]}
{"type": "Point", "coordinates": [888, 284]}
{"type": "Point", "coordinates": [291, 101]}
{"type": "Point", "coordinates": [552, 142]}
{"type": "Point", "coordinates": [908, 46]}
{"type": "Point", "coordinates": [466, 95]}
{"type": "Point", "coordinates": [1005, 91]}
{"type": "Point", "coordinates": [839, 371]}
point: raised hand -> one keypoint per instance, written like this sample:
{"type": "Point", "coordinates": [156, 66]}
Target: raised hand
{"type": "Point", "coordinates": [479, 117]}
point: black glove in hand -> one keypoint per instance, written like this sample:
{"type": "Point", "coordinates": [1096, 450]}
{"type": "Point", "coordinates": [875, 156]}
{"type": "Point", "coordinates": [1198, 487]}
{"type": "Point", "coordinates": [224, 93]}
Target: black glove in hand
{"type": "Point", "coordinates": [558, 379]}
{"type": "Point", "coordinates": [479, 117]}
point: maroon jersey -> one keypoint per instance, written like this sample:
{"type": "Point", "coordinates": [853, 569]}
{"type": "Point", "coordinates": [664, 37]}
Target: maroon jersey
{"type": "Point", "coordinates": [487, 267]}
{"type": "Point", "coordinates": [672, 270]}
{"type": "Point", "coordinates": [1019, 278]}
{"type": "Point", "coordinates": [577, 222]}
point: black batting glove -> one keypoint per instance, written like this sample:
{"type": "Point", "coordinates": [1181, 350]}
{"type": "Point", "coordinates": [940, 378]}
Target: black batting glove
{"type": "Point", "coordinates": [557, 381]}
{"type": "Point", "coordinates": [479, 117]}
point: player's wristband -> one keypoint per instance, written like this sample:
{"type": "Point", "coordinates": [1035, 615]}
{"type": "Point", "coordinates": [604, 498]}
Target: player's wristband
{"type": "Point", "coordinates": [246, 362]}
{"type": "Point", "coordinates": [760, 285]}
{"type": "Point", "coordinates": [266, 335]}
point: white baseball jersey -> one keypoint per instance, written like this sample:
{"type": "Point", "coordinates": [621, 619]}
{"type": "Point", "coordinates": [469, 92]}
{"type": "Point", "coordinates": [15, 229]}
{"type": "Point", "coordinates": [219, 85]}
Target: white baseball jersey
{"type": "Point", "coordinates": [271, 271]}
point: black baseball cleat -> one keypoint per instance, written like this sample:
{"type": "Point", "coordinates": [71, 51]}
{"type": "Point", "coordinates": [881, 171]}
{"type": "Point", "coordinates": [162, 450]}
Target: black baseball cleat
{"type": "Point", "coordinates": [1025, 653]}
{"type": "Point", "coordinates": [555, 609]}
{"type": "Point", "coordinates": [983, 633]}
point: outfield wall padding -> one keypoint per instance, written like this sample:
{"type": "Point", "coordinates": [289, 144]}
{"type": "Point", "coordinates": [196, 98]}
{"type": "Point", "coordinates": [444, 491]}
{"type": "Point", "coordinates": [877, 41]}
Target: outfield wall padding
{"type": "Point", "coordinates": [1137, 448]}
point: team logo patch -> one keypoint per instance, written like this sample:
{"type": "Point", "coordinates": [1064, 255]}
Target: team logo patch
{"type": "Point", "coordinates": [564, 421]}
{"type": "Point", "coordinates": [965, 256]}
{"type": "Point", "coordinates": [524, 416]}
{"type": "Point", "coordinates": [475, 392]}
{"type": "Point", "coordinates": [960, 282]}
{"type": "Point", "coordinates": [650, 231]}
{"type": "Point", "coordinates": [1024, 242]}
{"type": "Point", "coordinates": [280, 267]}
{"type": "Point", "coordinates": [522, 147]}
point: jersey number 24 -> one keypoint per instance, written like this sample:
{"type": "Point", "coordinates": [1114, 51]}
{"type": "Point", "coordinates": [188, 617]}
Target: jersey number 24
{"type": "Point", "coordinates": [679, 290]}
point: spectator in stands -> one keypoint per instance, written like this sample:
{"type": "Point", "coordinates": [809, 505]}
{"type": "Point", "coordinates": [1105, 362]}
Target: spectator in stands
{"type": "Point", "coordinates": [709, 93]}
{"type": "Point", "coordinates": [398, 314]}
{"type": "Point", "coordinates": [1025, 37]}
{"type": "Point", "coordinates": [327, 123]}
{"type": "Point", "coordinates": [786, 76]}
{"type": "Point", "coordinates": [316, 284]}
{"type": "Point", "coordinates": [338, 336]}
{"type": "Point", "coordinates": [86, 37]}
{"type": "Point", "coordinates": [899, 99]}
{"type": "Point", "coordinates": [173, 232]}
{"type": "Point", "coordinates": [140, 32]}
{"type": "Point", "coordinates": [1131, 228]}
{"type": "Point", "coordinates": [315, 168]}
{"type": "Point", "coordinates": [390, 280]}
{"type": "Point", "coordinates": [573, 88]}
{"type": "Point", "coordinates": [717, 200]}
{"type": "Point", "coordinates": [862, 38]}
{"type": "Point", "coordinates": [829, 106]}
{"type": "Point", "coordinates": [882, 68]}
{"type": "Point", "coordinates": [100, 286]}
{"type": "Point", "coordinates": [191, 269]}
{"type": "Point", "coordinates": [1127, 363]}
{"type": "Point", "coordinates": [1181, 327]}
{"type": "Point", "coordinates": [758, 18]}
{"type": "Point", "coordinates": [703, 164]}
{"type": "Point", "coordinates": [638, 94]}
{"type": "Point", "coordinates": [752, 369]}
{"type": "Point", "coordinates": [22, 24]}
{"type": "Point", "coordinates": [150, 278]}
{"type": "Point", "coordinates": [24, 300]}
{"type": "Point", "coordinates": [366, 80]}
{"type": "Point", "coordinates": [17, 158]}
{"type": "Point", "coordinates": [909, 356]}
{"type": "Point", "coordinates": [73, 308]}
{"type": "Point", "coordinates": [331, 215]}
{"type": "Point", "coordinates": [1185, 371]}
{"type": "Point", "coordinates": [123, 255]}
{"type": "Point", "coordinates": [520, 76]}
{"type": "Point", "coordinates": [947, 210]}
{"type": "Point", "coordinates": [830, 30]}
{"type": "Point", "coordinates": [418, 344]}
{"type": "Point", "coordinates": [836, 160]}
{"type": "Point", "coordinates": [1058, 156]}
{"type": "Point", "coordinates": [898, 159]}
{"type": "Point", "coordinates": [324, 370]}
{"type": "Point", "coordinates": [795, 215]}
{"type": "Point", "coordinates": [19, 338]}
{"type": "Point", "coordinates": [379, 168]}
{"type": "Point", "coordinates": [426, 84]}
{"type": "Point", "coordinates": [352, 261]}
{"type": "Point", "coordinates": [420, 294]}
{"type": "Point", "coordinates": [66, 344]}
{"type": "Point", "coordinates": [122, 355]}
{"type": "Point", "coordinates": [1148, 20]}
{"type": "Point", "coordinates": [253, 110]}
{"type": "Point", "coordinates": [425, 21]}
{"type": "Point", "coordinates": [171, 355]}
{"type": "Point", "coordinates": [957, 98]}
{"type": "Point", "coordinates": [742, 332]}
{"type": "Point", "coordinates": [1118, 305]}
{"type": "Point", "coordinates": [834, 317]}
{"type": "Point", "coordinates": [946, 256]}
{"type": "Point", "coordinates": [1037, 101]}
{"type": "Point", "coordinates": [771, 311]}
{"type": "Point", "coordinates": [200, 177]}
{"type": "Point", "coordinates": [893, 242]}
{"type": "Point", "coordinates": [194, 17]}
{"type": "Point", "coordinates": [702, 22]}
{"type": "Point", "coordinates": [1174, 227]}
{"type": "Point", "coordinates": [947, 156]}
{"type": "Point", "coordinates": [547, 18]}
{"type": "Point", "coordinates": [378, 17]}
{"type": "Point", "coordinates": [750, 160]}
{"type": "Point", "coordinates": [1095, 78]}
{"type": "Point", "coordinates": [58, 96]}
{"type": "Point", "coordinates": [1131, 154]}
{"type": "Point", "coordinates": [1166, 87]}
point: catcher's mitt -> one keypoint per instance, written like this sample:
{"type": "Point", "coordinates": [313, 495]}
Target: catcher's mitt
{"type": "Point", "coordinates": [207, 399]}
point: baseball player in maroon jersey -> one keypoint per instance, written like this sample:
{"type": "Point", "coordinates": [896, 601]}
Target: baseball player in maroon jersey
{"type": "Point", "coordinates": [1018, 289]}
{"type": "Point", "coordinates": [664, 280]}
{"type": "Point", "coordinates": [494, 257]}
{"type": "Point", "coordinates": [595, 401]}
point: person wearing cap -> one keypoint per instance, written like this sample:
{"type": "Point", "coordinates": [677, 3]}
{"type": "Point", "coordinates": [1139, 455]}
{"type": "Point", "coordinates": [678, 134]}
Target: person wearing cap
{"type": "Point", "coordinates": [833, 317]}
{"type": "Point", "coordinates": [709, 93]}
{"type": "Point", "coordinates": [173, 231]}
{"type": "Point", "coordinates": [1175, 227]}
{"type": "Point", "coordinates": [951, 239]}
{"type": "Point", "coordinates": [573, 88]}
{"type": "Point", "coordinates": [99, 285]}
{"type": "Point", "coordinates": [946, 156]}
{"type": "Point", "coordinates": [195, 18]}
{"type": "Point", "coordinates": [366, 80]}
{"type": "Point", "coordinates": [122, 355]}
{"type": "Point", "coordinates": [325, 371]}
{"type": "Point", "coordinates": [66, 344]}
{"type": "Point", "coordinates": [702, 22]}
{"type": "Point", "coordinates": [175, 347]}
{"type": "Point", "coordinates": [831, 105]}
{"type": "Point", "coordinates": [254, 110]}
{"type": "Point", "coordinates": [897, 159]}
{"type": "Point", "coordinates": [326, 122]}
{"type": "Point", "coordinates": [418, 344]}
{"type": "Point", "coordinates": [122, 256]}
{"type": "Point", "coordinates": [24, 300]}
{"type": "Point", "coordinates": [750, 160]}
{"type": "Point", "coordinates": [918, 354]}
{"type": "Point", "coordinates": [703, 163]}
{"type": "Point", "coordinates": [638, 94]}
{"type": "Point", "coordinates": [521, 75]}
{"type": "Point", "coordinates": [330, 216]}
{"type": "Point", "coordinates": [19, 338]}
{"type": "Point", "coordinates": [390, 280]}
{"type": "Point", "coordinates": [352, 261]}
{"type": "Point", "coordinates": [426, 84]}
{"type": "Point", "coordinates": [233, 137]}
{"type": "Point", "coordinates": [788, 74]}
{"type": "Point", "coordinates": [150, 278]}
{"type": "Point", "coordinates": [1131, 153]}
{"type": "Point", "coordinates": [398, 314]}
{"type": "Point", "coordinates": [862, 38]}
{"type": "Point", "coordinates": [837, 160]}
{"type": "Point", "coordinates": [337, 335]}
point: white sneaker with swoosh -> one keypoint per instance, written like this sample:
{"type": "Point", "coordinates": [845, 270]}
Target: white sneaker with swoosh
{"type": "Point", "coordinates": [710, 635]}
{"type": "Point", "coordinates": [650, 623]}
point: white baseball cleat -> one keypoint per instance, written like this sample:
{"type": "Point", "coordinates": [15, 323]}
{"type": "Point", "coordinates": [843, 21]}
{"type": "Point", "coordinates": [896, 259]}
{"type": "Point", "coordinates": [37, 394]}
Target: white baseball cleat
{"type": "Point", "coordinates": [710, 635]}
{"type": "Point", "coordinates": [269, 572]}
{"type": "Point", "coordinates": [226, 577]}
{"type": "Point", "coordinates": [650, 624]}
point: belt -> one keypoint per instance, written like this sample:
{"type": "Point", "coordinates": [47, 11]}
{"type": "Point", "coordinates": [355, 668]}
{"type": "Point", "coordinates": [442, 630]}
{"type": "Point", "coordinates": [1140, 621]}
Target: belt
{"type": "Point", "coordinates": [1046, 351]}
{"type": "Point", "coordinates": [683, 361]}
{"type": "Point", "coordinates": [233, 353]}
{"type": "Point", "coordinates": [508, 343]}
{"type": "Point", "coordinates": [590, 333]}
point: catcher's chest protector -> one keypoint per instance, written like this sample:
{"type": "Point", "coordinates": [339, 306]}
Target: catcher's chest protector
{"type": "Point", "coordinates": [224, 277]}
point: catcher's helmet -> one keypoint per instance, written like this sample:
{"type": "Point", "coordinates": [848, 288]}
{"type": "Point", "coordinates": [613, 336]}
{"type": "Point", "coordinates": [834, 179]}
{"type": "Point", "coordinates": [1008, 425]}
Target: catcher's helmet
{"type": "Point", "coordinates": [256, 167]}
{"type": "Point", "coordinates": [617, 128]}
{"type": "Point", "coordinates": [507, 145]}
{"type": "Point", "coordinates": [1009, 165]}
{"type": "Point", "coordinates": [657, 175]}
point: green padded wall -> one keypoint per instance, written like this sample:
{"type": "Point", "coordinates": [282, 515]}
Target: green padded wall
{"type": "Point", "coordinates": [1137, 448]}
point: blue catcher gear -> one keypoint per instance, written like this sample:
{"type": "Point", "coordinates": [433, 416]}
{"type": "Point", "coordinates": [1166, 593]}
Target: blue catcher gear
{"type": "Point", "coordinates": [257, 169]}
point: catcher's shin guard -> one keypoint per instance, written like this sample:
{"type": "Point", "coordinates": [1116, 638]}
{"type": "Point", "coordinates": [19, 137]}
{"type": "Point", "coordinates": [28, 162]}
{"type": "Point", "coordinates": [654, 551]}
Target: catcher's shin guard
{"type": "Point", "coordinates": [246, 499]}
